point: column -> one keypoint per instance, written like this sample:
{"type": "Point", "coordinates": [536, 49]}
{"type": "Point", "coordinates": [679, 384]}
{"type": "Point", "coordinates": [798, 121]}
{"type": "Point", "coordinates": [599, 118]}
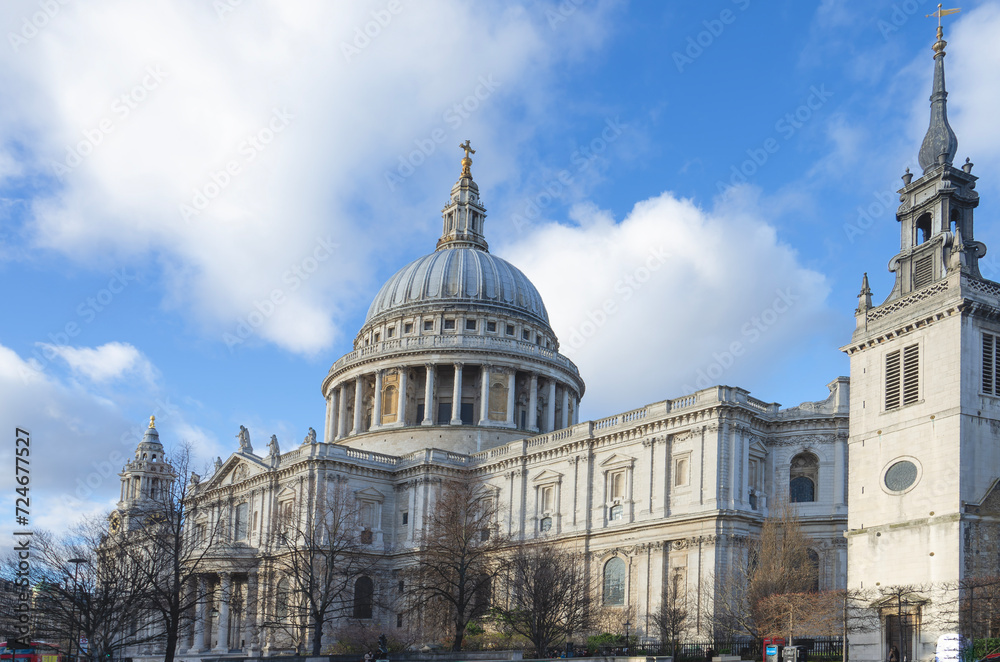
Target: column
{"type": "Point", "coordinates": [225, 585]}
{"type": "Point", "coordinates": [533, 403]}
{"type": "Point", "coordinates": [198, 641]}
{"type": "Point", "coordinates": [511, 399]}
{"type": "Point", "coordinates": [401, 407]}
{"type": "Point", "coordinates": [250, 614]}
{"type": "Point", "coordinates": [565, 409]}
{"type": "Point", "coordinates": [329, 430]}
{"type": "Point", "coordinates": [484, 396]}
{"type": "Point", "coordinates": [342, 418]}
{"type": "Point", "coordinates": [550, 410]}
{"type": "Point", "coordinates": [429, 395]}
{"type": "Point", "coordinates": [839, 461]}
{"type": "Point", "coordinates": [411, 526]}
{"type": "Point", "coordinates": [576, 409]}
{"type": "Point", "coordinates": [359, 384]}
{"type": "Point", "coordinates": [456, 397]}
{"type": "Point", "coordinates": [377, 404]}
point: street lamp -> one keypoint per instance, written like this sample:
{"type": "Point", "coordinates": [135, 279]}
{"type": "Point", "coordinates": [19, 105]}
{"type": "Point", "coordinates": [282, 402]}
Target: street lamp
{"type": "Point", "coordinates": [627, 625]}
{"type": "Point", "coordinates": [72, 624]}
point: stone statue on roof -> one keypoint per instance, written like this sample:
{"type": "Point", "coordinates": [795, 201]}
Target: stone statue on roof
{"type": "Point", "coordinates": [244, 437]}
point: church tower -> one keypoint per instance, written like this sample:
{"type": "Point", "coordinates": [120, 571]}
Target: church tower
{"type": "Point", "coordinates": [145, 483]}
{"type": "Point", "coordinates": [924, 456]}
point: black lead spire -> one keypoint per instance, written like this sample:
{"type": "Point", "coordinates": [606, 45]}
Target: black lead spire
{"type": "Point", "coordinates": [940, 144]}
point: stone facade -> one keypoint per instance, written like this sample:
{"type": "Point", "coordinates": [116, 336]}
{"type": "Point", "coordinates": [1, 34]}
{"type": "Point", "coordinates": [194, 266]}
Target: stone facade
{"type": "Point", "coordinates": [456, 373]}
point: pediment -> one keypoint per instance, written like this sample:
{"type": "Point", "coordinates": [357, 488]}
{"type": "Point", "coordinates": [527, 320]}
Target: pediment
{"type": "Point", "coordinates": [236, 469]}
{"type": "Point", "coordinates": [286, 493]}
{"type": "Point", "coordinates": [369, 494]}
{"type": "Point", "coordinates": [617, 460]}
{"type": "Point", "coordinates": [547, 476]}
{"type": "Point", "coordinates": [758, 447]}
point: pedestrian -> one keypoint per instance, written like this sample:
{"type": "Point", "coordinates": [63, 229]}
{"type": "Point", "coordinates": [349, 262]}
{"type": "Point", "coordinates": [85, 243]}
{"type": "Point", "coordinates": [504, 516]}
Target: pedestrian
{"type": "Point", "coordinates": [368, 656]}
{"type": "Point", "coordinates": [893, 653]}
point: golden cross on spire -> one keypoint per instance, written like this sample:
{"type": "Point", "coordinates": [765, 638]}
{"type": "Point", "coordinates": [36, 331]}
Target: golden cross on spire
{"type": "Point", "coordinates": [467, 160]}
{"type": "Point", "coordinates": [152, 421]}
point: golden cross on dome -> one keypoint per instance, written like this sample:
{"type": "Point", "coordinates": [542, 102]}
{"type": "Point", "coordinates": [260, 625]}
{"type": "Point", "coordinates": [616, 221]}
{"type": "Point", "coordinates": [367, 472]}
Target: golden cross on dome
{"type": "Point", "coordinates": [467, 160]}
{"type": "Point", "coordinates": [152, 421]}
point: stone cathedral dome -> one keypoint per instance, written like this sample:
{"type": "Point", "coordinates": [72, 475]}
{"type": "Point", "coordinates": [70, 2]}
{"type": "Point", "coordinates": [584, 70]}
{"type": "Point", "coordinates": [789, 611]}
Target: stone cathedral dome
{"type": "Point", "coordinates": [460, 276]}
{"type": "Point", "coordinates": [456, 351]}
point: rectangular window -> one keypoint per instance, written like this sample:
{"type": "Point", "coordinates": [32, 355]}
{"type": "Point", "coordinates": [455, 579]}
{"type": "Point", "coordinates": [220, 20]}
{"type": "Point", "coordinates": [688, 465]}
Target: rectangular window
{"type": "Point", "coordinates": [470, 325]}
{"type": "Point", "coordinates": [399, 620]}
{"type": "Point", "coordinates": [616, 485]}
{"type": "Point", "coordinates": [449, 325]}
{"type": "Point", "coordinates": [406, 518]}
{"type": "Point", "coordinates": [376, 337]}
{"type": "Point", "coordinates": [991, 364]}
{"type": "Point", "coordinates": [390, 332]}
{"type": "Point", "coordinates": [510, 330]}
{"type": "Point", "coordinates": [491, 327]}
{"type": "Point", "coordinates": [525, 334]}
{"type": "Point", "coordinates": [428, 325]}
{"type": "Point", "coordinates": [240, 532]}
{"type": "Point", "coordinates": [548, 498]}
{"type": "Point", "coordinates": [902, 380]}
{"type": "Point", "coordinates": [408, 327]}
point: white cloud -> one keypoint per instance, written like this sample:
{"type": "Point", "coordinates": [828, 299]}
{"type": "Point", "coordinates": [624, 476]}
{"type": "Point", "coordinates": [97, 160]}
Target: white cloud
{"type": "Point", "coordinates": [141, 107]}
{"type": "Point", "coordinates": [80, 435]}
{"type": "Point", "coordinates": [108, 362]}
{"type": "Point", "coordinates": [972, 62]}
{"type": "Point", "coordinates": [672, 298]}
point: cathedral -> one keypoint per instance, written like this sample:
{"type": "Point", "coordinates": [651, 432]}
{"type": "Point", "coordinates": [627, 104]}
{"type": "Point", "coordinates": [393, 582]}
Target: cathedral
{"type": "Point", "coordinates": [457, 372]}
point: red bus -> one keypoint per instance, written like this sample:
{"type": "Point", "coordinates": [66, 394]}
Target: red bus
{"type": "Point", "coordinates": [37, 651]}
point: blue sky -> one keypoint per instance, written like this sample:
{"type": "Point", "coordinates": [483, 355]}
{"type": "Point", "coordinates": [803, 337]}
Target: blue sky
{"type": "Point", "coordinates": [717, 175]}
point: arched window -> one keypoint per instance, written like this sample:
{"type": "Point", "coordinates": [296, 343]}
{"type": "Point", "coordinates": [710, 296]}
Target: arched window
{"type": "Point", "coordinates": [803, 477]}
{"type": "Point", "coordinates": [954, 222]}
{"type": "Point", "coordinates": [390, 398]}
{"type": "Point", "coordinates": [364, 597]}
{"type": "Point", "coordinates": [614, 582]}
{"type": "Point", "coordinates": [923, 228]}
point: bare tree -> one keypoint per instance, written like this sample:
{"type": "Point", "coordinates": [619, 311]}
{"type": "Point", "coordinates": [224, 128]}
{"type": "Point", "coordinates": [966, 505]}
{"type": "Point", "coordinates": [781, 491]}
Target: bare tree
{"type": "Point", "coordinates": [460, 553]}
{"type": "Point", "coordinates": [774, 563]}
{"type": "Point", "coordinates": [84, 588]}
{"type": "Point", "coordinates": [670, 620]}
{"type": "Point", "coordinates": [548, 597]}
{"type": "Point", "coordinates": [792, 615]}
{"type": "Point", "coordinates": [324, 564]}
{"type": "Point", "coordinates": [163, 541]}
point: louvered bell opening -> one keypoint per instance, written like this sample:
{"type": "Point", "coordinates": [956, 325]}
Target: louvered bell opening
{"type": "Point", "coordinates": [996, 366]}
{"type": "Point", "coordinates": [923, 272]}
{"type": "Point", "coordinates": [988, 364]}
{"type": "Point", "coordinates": [911, 374]}
{"type": "Point", "coordinates": [892, 380]}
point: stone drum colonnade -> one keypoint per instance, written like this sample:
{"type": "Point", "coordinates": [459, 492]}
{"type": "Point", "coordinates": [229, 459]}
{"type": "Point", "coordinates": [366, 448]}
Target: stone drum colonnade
{"type": "Point", "coordinates": [493, 395]}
